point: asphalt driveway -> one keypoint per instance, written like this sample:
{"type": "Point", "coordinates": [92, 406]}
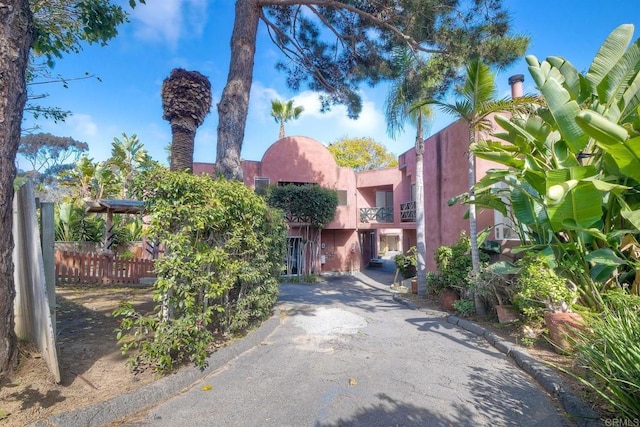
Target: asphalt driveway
{"type": "Point", "coordinates": [346, 354]}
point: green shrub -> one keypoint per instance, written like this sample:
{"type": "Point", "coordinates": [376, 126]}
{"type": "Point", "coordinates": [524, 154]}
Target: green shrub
{"type": "Point", "coordinates": [464, 307]}
{"type": "Point", "coordinates": [610, 353]}
{"type": "Point", "coordinates": [453, 266]}
{"type": "Point", "coordinates": [538, 288]}
{"type": "Point", "coordinates": [223, 254]}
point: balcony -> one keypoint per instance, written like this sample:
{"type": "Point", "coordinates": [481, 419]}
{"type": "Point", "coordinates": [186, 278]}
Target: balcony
{"type": "Point", "coordinates": [384, 214]}
{"type": "Point", "coordinates": [408, 212]}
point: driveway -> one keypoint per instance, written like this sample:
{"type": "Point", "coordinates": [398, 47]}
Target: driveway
{"type": "Point", "coordinates": [346, 354]}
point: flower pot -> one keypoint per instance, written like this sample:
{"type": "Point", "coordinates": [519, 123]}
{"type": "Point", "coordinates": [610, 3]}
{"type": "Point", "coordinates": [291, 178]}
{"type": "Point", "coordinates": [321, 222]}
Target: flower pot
{"type": "Point", "coordinates": [562, 329]}
{"type": "Point", "coordinates": [414, 287]}
{"type": "Point", "coordinates": [507, 313]}
{"type": "Point", "coordinates": [447, 298]}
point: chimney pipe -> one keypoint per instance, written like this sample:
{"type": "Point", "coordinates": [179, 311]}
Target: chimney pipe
{"type": "Point", "coordinates": [515, 82]}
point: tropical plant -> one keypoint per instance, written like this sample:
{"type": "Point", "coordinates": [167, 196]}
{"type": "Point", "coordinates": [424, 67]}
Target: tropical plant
{"type": "Point", "coordinates": [609, 351]}
{"type": "Point", "coordinates": [23, 27]}
{"type": "Point", "coordinates": [223, 253]}
{"type": "Point", "coordinates": [476, 106]}
{"type": "Point", "coordinates": [186, 100]}
{"type": "Point", "coordinates": [406, 90]}
{"type": "Point", "coordinates": [571, 168]}
{"type": "Point", "coordinates": [73, 224]}
{"type": "Point", "coordinates": [128, 157]}
{"type": "Point", "coordinates": [362, 154]}
{"type": "Point", "coordinates": [282, 112]}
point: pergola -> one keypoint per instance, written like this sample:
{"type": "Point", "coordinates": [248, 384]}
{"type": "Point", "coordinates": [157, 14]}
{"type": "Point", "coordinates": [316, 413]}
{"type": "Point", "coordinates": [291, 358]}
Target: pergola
{"type": "Point", "coordinates": [110, 207]}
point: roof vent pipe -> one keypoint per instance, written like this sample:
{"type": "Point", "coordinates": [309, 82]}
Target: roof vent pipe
{"type": "Point", "coordinates": [515, 82]}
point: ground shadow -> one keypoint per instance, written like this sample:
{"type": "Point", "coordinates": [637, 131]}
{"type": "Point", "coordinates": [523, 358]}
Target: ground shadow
{"type": "Point", "coordinates": [391, 412]}
{"type": "Point", "coordinates": [85, 330]}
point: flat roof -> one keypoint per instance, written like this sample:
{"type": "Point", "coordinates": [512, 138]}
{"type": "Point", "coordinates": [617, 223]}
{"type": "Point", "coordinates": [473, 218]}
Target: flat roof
{"type": "Point", "coordinates": [114, 206]}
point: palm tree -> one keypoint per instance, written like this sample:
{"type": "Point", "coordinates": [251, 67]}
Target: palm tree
{"type": "Point", "coordinates": [186, 100]}
{"type": "Point", "coordinates": [477, 103]}
{"type": "Point", "coordinates": [283, 112]}
{"type": "Point", "coordinates": [400, 105]}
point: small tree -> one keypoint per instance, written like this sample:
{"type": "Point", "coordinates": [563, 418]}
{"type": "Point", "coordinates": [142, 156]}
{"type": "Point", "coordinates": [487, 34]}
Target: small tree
{"type": "Point", "coordinates": [310, 206]}
{"type": "Point", "coordinates": [362, 154]}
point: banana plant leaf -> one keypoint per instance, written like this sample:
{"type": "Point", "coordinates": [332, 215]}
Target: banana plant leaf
{"type": "Point", "coordinates": [562, 107]}
{"type": "Point", "coordinates": [613, 140]}
{"type": "Point", "coordinates": [574, 201]}
{"type": "Point", "coordinates": [609, 53]}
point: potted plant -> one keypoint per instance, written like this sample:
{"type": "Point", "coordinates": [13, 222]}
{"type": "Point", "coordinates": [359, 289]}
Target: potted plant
{"type": "Point", "coordinates": [406, 265]}
{"type": "Point", "coordinates": [451, 280]}
{"type": "Point", "coordinates": [494, 282]}
{"type": "Point", "coordinates": [541, 293]}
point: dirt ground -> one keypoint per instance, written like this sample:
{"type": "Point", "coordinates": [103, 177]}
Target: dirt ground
{"type": "Point", "coordinates": [93, 368]}
{"type": "Point", "coordinates": [91, 364]}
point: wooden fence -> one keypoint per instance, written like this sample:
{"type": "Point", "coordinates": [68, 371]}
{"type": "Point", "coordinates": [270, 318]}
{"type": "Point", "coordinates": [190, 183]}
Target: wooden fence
{"type": "Point", "coordinates": [73, 267]}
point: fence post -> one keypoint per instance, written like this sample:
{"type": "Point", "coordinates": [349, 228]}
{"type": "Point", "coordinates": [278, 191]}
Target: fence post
{"type": "Point", "coordinates": [47, 235]}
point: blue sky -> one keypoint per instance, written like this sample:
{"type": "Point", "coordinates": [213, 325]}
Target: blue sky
{"type": "Point", "coordinates": [195, 34]}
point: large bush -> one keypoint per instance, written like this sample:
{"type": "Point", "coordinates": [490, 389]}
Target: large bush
{"type": "Point", "coordinates": [223, 252]}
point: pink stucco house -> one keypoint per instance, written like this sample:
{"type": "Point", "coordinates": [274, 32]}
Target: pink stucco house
{"type": "Point", "coordinates": [376, 212]}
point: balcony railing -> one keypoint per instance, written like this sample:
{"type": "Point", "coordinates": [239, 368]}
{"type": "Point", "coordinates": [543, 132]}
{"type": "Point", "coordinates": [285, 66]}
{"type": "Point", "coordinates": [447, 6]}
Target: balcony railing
{"type": "Point", "coordinates": [376, 214]}
{"type": "Point", "coordinates": [408, 212]}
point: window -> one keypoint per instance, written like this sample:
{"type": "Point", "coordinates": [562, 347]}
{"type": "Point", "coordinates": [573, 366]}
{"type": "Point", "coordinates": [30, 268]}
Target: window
{"type": "Point", "coordinates": [342, 197]}
{"type": "Point", "coordinates": [504, 225]}
{"type": "Point", "coordinates": [260, 184]}
{"type": "Point", "coordinates": [384, 199]}
{"type": "Point", "coordinates": [300, 184]}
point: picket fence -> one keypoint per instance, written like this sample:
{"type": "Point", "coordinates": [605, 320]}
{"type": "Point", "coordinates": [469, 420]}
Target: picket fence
{"type": "Point", "coordinates": [75, 267]}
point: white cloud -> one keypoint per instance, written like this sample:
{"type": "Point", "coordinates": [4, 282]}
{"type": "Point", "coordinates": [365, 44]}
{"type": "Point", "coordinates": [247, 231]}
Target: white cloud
{"type": "Point", "coordinates": [325, 127]}
{"type": "Point", "coordinates": [84, 124]}
{"type": "Point", "coordinates": [167, 21]}
{"type": "Point", "coordinates": [260, 102]}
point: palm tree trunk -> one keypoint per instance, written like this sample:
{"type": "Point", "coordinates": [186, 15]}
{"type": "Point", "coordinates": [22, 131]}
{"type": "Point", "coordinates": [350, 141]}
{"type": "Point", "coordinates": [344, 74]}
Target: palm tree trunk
{"type": "Point", "coordinates": [16, 37]}
{"type": "Point", "coordinates": [281, 134]}
{"type": "Point", "coordinates": [234, 102]}
{"type": "Point", "coordinates": [420, 220]}
{"type": "Point", "coordinates": [473, 225]}
{"type": "Point", "coordinates": [183, 133]}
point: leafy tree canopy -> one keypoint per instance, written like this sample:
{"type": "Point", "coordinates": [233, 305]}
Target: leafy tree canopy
{"type": "Point", "coordinates": [362, 154]}
{"type": "Point", "coordinates": [61, 26]}
{"type": "Point", "coordinates": [307, 203]}
{"type": "Point", "coordinates": [44, 150]}
{"type": "Point", "coordinates": [334, 47]}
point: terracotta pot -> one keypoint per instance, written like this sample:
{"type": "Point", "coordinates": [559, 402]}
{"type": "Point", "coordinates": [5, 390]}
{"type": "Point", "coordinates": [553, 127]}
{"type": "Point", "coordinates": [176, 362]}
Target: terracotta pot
{"type": "Point", "coordinates": [507, 313]}
{"type": "Point", "coordinates": [447, 298]}
{"type": "Point", "coordinates": [562, 329]}
{"type": "Point", "coordinates": [414, 287]}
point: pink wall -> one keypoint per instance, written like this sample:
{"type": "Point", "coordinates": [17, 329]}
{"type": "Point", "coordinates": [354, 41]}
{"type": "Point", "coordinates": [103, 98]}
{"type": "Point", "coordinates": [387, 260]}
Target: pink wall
{"type": "Point", "coordinates": [302, 159]}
